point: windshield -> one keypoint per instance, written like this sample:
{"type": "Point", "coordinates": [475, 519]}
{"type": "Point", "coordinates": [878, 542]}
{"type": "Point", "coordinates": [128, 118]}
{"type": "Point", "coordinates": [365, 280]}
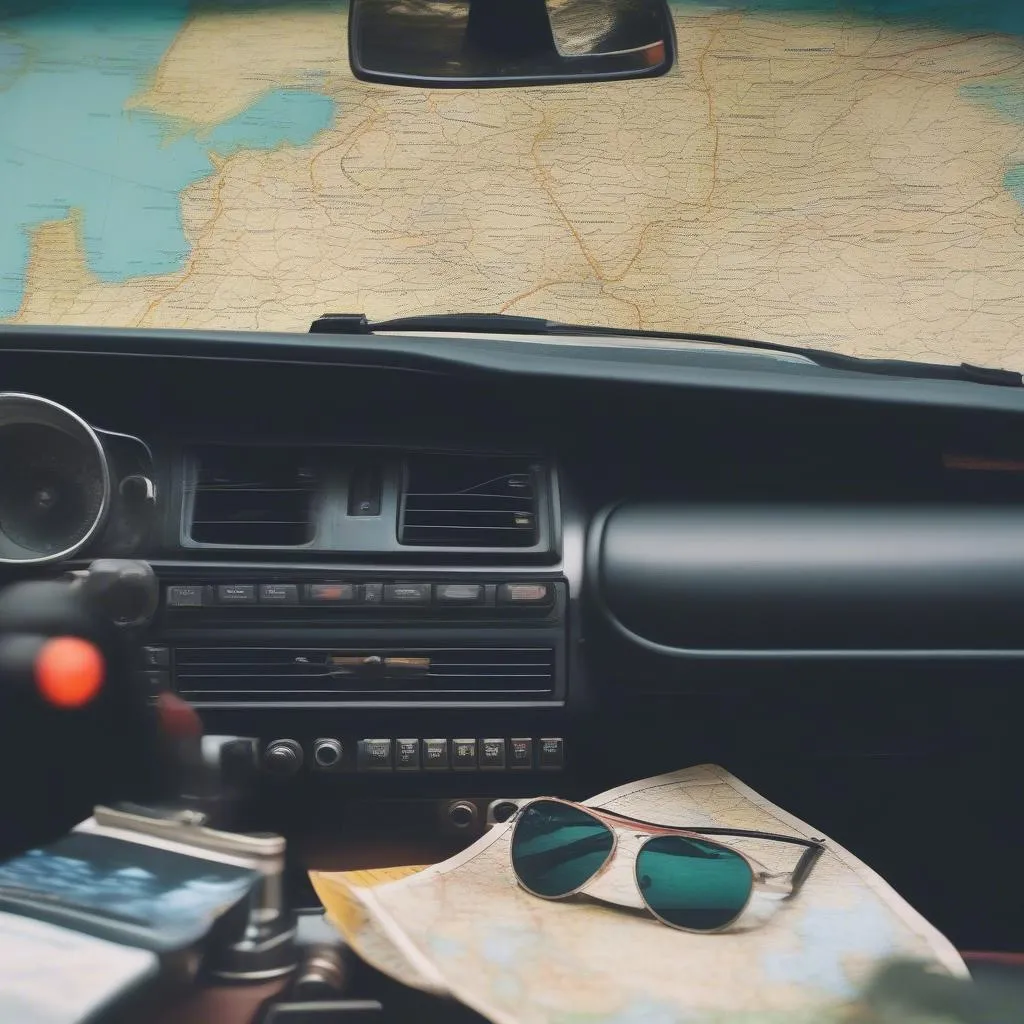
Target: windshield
{"type": "Point", "coordinates": [845, 175]}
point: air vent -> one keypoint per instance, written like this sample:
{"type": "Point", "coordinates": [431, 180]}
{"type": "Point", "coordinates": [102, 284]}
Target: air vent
{"type": "Point", "coordinates": [252, 497]}
{"type": "Point", "coordinates": [315, 675]}
{"type": "Point", "coordinates": [469, 502]}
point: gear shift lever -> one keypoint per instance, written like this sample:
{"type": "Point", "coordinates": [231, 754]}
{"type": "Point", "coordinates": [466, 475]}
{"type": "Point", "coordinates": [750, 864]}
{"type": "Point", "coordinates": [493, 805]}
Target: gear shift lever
{"type": "Point", "coordinates": [71, 711]}
{"type": "Point", "coordinates": [70, 708]}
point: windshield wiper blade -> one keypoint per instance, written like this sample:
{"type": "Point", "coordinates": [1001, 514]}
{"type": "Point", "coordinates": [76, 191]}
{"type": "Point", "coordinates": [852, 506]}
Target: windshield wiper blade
{"type": "Point", "coordinates": [503, 323]}
{"type": "Point", "coordinates": [472, 323]}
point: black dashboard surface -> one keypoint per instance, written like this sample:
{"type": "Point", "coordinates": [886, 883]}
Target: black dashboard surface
{"type": "Point", "coordinates": [620, 425]}
{"type": "Point", "coordinates": [627, 402]}
{"type": "Point", "coordinates": [622, 430]}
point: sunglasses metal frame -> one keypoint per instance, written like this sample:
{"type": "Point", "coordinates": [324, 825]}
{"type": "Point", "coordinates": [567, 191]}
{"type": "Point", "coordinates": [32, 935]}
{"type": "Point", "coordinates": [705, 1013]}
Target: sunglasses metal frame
{"type": "Point", "coordinates": [785, 883]}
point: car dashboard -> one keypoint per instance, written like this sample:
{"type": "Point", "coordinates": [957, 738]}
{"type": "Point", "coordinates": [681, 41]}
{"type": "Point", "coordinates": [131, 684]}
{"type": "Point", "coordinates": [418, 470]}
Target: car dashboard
{"type": "Point", "coordinates": [433, 573]}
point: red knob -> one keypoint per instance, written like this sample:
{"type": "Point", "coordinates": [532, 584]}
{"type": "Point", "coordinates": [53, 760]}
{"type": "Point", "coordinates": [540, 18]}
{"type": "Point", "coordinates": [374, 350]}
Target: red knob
{"type": "Point", "coordinates": [69, 671]}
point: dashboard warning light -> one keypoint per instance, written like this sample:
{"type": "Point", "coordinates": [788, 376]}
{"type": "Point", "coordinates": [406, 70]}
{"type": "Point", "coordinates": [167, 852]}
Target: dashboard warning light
{"type": "Point", "coordinates": [69, 671]}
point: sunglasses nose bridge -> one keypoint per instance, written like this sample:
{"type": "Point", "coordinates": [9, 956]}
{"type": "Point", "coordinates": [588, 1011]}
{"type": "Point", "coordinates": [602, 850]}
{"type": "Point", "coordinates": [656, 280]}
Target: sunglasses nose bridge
{"type": "Point", "coordinates": [616, 883]}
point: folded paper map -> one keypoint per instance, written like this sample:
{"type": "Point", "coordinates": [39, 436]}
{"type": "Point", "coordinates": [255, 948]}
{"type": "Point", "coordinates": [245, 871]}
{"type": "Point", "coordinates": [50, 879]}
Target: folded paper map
{"type": "Point", "coordinates": [464, 928]}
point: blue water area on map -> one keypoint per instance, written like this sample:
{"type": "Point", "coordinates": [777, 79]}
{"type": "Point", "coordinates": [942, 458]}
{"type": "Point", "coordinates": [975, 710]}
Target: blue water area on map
{"type": "Point", "coordinates": [290, 116]}
{"type": "Point", "coordinates": [68, 143]}
{"type": "Point", "coordinates": [1014, 181]}
{"type": "Point", "coordinates": [1007, 99]}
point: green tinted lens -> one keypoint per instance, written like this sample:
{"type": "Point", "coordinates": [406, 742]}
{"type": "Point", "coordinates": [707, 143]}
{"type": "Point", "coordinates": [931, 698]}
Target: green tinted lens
{"type": "Point", "coordinates": [691, 883]}
{"type": "Point", "coordinates": [557, 848]}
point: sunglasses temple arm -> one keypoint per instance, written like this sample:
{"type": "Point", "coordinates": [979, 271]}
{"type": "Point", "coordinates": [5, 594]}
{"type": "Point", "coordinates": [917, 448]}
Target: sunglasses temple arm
{"type": "Point", "coordinates": [804, 868]}
{"type": "Point", "coordinates": [788, 883]}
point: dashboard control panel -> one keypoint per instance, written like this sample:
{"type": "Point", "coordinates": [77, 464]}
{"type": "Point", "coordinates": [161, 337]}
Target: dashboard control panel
{"type": "Point", "coordinates": [341, 594]}
{"type": "Point", "coordinates": [360, 605]}
{"type": "Point", "coordinates": [386, 754]}
{"type": "Point", "coordinates": [306, 639]}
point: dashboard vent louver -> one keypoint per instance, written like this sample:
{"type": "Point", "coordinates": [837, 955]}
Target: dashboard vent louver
{"type": "Point", "coordinates": [315, 675]}
{"type": "Point", "coordinates": [468, 501]}
{"type": "Point", "coordinates": [252, 497]}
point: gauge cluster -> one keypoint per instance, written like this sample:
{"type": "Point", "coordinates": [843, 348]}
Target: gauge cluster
{"type": "Point", "coordinates": [66, 483]}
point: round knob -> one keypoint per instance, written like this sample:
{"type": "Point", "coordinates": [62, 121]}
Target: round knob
{"type": "Point", "coordinates": [125, 591]}
{"type": "Point", "coordinates": [321, 975]}
{"type": "Point", "coordinates": [282, 757]}
{"type": "Point", "coordinates": [138, 489]}
{"type": "Point", "coordinates": [462, 813]}
{"type": "Point", "coordinates": [502, 810]}
{"type": "Point", "coordinates": [326, 752]}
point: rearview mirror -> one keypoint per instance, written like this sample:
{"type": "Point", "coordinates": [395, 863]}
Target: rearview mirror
{"type": "Point", "coordinates": [479, 43]}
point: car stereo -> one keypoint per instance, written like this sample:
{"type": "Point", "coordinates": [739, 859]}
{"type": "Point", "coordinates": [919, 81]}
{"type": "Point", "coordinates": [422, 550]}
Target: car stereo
{"type": "Point", "coordinates": [362, 672]}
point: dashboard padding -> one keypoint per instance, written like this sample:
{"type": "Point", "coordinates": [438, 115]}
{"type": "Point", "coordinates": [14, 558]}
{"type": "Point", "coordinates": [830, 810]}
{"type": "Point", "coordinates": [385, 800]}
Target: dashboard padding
{"type": "Point", "coordinates": [791, 581]}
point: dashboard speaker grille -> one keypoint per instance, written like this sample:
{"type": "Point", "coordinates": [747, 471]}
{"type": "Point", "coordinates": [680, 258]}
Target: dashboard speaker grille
{"type": "Point", "coordinates": [314, 675]}
{"type": "Point", "coordinates": [469, 502]}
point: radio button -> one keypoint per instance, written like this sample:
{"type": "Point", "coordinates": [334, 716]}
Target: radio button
{"type": "Point", "coordinates": [407, 755]}
{"type": "Point", "coordinates": [464, 754]}
{"type": "Point", "coordinates": [458, 593]}
{"type": "Point", "coordinates": [407, 593]}
{"type": "Point", "coordinates": [520, 753]}
{"type": "Point", "coordinates": [156, 680]}
{"type": "Point", "coordinates": [435, 754]}
{"type": "Point", "coordinates": [156, 657]}
{"type": "Point", "coordinates": [236, 593]}
{"type": "Point", "coordinates": [492, 754]}
{"type": "Point", "coordinates": [526, 593]}
{"type": "Point", "coordinates": [186, 595]}
{"type": "Point", "coordinates": [330, 593]}
{"type": "Point", "coordinates": [552, 752]}
{"type": "Point", "coordinates": [279, 593]}
{"type": "Point", "coordinates": [374, 755]}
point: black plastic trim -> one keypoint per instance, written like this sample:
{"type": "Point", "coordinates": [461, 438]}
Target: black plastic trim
{"type": "Point", "coordinates": [666, 365]}
{"type": "Point", "coordinates": [335, 532]}
{"type": "Point", "coordinates": [401, 706]}
{"type": "Point", "coordinates": [599, 597]}
{"type": "Point", "coordinates": [281, 571]}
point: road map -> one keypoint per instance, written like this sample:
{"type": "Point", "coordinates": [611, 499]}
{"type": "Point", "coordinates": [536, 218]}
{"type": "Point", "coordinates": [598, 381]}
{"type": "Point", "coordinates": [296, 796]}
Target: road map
{"type": "Point", "coordinates": [845, 175]}
{"type": "Point", "coordinates": [464, 928]}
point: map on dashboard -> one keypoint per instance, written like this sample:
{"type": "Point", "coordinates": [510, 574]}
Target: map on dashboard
{"type": "Point", "coordinates": [464, 928]}
{"type": "Point", "coordinates": [848, 175]}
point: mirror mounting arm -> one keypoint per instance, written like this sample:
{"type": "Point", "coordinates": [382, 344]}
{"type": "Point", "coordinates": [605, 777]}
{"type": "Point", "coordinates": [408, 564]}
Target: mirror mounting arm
{"type": "Point", "coordinates": [518, 28]}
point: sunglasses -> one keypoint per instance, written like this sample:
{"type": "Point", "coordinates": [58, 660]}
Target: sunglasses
{"type": "Point", "coordinates": [685, 879]}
